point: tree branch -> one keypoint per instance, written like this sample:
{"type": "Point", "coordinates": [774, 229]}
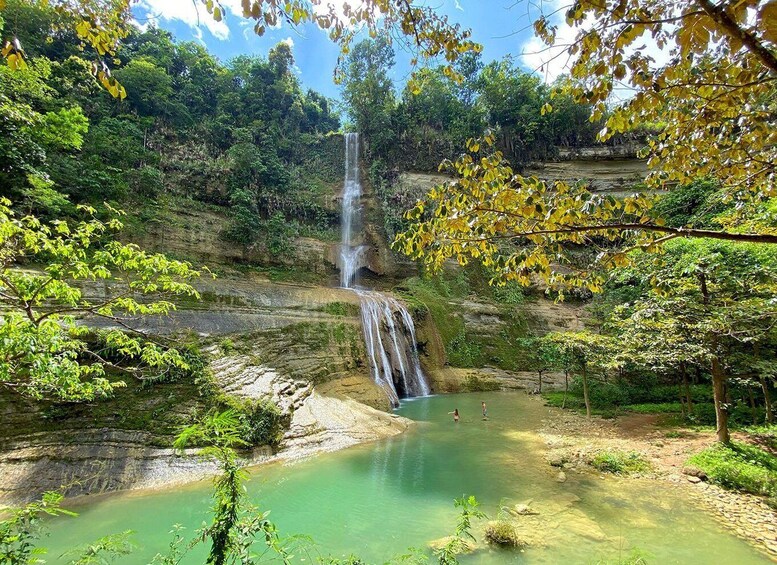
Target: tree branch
{"type": "Point", "coordinates": [720, 16]}
{"type": "Point", "coordinates": [677, 232]}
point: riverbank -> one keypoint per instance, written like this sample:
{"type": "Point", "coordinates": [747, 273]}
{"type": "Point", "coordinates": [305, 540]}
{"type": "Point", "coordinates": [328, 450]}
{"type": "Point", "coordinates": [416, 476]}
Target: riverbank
{"type": "Point", "coordinates": [572, 441]}
{"type": "Point", "coordinates": [113, 460]}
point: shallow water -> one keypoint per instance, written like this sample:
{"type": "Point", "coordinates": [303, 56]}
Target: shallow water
{"type": "Point", "coordinates": [377, 500]}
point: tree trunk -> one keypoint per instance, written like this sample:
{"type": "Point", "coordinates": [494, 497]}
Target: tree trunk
{"type": "Point", "coordinates": [585, 392]}
{"type": "Point", "coordinates": [687, 388]}
{"type": "Point", "coordinates": [767, 400]}
{"type": "Point", "coordinates": [719, 391]}
{"type": "Point", "coordinates": [540, 380]}
{"type": "Point", "coordinates": [753, 409]}
{"type": "Point", "coordinates": [682, 398]}
{"type": "Point", "coordinates": [719, 394]}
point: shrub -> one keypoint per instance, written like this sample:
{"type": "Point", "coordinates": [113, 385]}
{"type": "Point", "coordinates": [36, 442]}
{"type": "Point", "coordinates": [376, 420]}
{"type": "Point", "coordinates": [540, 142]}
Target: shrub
{"type": "Point", "coordinates": [463, 351]}
{"type": "Point", "coordinates": [473, 383]}
{"type": "Point", "coordinates": [261, 421]}
{"type": "Point", "coordinates": [502, 532]}
{"type": "Point", "coordinates": [739, 466]}
{"type": "Point", "coordinates": [620, 462]}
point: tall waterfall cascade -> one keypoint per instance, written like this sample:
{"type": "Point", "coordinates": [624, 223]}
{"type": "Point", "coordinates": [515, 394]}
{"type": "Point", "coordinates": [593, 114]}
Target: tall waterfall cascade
{"type": "Point", "coordinates": [389, 332]}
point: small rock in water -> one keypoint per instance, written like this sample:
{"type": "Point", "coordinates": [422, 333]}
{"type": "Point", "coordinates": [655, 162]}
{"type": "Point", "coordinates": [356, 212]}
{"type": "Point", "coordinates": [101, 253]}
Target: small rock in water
{"type": "Point", "coordinates": [561, 477]}
{"type": "Point", "coordinates": [524, 510]}
{"type": "Point", "coordinates": [556, 460]}
{"type": "Point", "coordinates": [468, 546]}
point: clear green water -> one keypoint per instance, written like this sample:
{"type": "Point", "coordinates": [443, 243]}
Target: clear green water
{"type": "Point", "coordinates": [377, 500]}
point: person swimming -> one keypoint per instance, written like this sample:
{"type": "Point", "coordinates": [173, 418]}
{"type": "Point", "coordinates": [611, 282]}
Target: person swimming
{"type": "Point", "coordinates": [455, 414]}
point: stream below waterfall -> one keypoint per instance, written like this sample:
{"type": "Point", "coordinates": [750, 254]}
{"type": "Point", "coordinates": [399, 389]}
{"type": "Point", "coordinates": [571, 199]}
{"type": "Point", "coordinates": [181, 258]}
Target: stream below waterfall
{"type": "Point", "coordinates": [376, 500]}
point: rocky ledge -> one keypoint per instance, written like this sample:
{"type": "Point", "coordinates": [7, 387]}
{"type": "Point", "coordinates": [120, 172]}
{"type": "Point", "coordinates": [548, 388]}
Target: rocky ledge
{"type": "Point", "coordinates": [324, 417]}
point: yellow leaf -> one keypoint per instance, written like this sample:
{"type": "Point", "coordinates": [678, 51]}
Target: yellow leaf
{"type": "Point", "coordinates": [767, 17]}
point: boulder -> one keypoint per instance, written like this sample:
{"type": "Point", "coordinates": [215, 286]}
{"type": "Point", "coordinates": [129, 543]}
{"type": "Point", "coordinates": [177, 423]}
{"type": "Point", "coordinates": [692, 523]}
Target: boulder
{"type": "Point", "coordinates": [695, 472]}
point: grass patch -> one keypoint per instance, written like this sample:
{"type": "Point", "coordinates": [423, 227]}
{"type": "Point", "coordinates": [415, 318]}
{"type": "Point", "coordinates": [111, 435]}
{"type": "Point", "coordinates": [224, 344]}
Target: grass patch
{"type": "Point", "coordinates": [342, 309]}
{"type": "Point", "coordinates": [764, 435]}
{"type": "Point", "coordinates": [739, 466]}
{"type": "Point", "coordinates": [555, 398]}
{"type": "Point", "coordinates": [620, 462]}
{"type": "Point", "coordinates": [654, 408]}
{"type": "Point", "coordinates": [287, 274]}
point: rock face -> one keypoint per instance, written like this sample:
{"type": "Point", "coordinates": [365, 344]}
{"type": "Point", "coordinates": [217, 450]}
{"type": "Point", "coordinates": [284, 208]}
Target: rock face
{"type": "Point", "coordinates": [89, 461]}
{"type": "Point", "coordinates": [326, 423]}
{"type": "Point", "coordinates": [299, 346]}
{"type": "Point", "coordinates": [615, 176]}
{"type": "Point", "coordinates": [456, 379]}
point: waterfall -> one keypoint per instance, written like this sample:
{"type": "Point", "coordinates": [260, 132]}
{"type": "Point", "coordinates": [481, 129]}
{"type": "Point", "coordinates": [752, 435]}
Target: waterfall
{"type": "Point", "coordinates": [389, 332]}
{"type": "Point", "coordinates": [350, 253]}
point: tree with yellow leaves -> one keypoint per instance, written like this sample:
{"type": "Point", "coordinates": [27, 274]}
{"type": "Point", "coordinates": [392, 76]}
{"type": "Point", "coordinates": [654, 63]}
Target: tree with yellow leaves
{"type": "Point", "coordinates": [713, 99]}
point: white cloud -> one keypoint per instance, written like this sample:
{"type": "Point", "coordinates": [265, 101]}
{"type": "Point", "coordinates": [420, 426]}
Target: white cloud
{"type": "Point", "coordinates": [326, 7]}
{"type": "Point", "coordinates": [288, 41]}
{"type": "Point", "coordinates": [551, 62]}
{"type": "Point", "coordinates": [193, 14]}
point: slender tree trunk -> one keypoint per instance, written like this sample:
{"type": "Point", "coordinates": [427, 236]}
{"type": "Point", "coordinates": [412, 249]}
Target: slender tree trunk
{"type": "Point", "coordinates": [697, 375]}
{"type": "Point", "coordinates": [719, 394]}
{"type": "Point", "coordinates": [767, 400]}
{"type": "Point", "coordinates": [540, 380]}
{"type": "Point", "coordinates": [585, 392]}
{"type": "Point", "coordinates": [687, 388]}
{"type": "Point", "coordinates": [753, 409]}
{"type": "Point", "coordinates": [719, 391]}
{"type": "Point", "coordinates": [682, 398]}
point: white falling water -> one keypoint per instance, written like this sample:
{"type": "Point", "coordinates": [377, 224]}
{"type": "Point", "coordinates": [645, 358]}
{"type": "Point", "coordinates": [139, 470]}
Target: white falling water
{"type": "Point", "coordinates": [389, 332]}
{"type": "Point", "coordinates": [350, 252]}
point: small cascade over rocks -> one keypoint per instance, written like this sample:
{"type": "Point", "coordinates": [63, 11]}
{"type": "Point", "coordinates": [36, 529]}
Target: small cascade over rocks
{"type": "Point", "coordinates": [389, 332]}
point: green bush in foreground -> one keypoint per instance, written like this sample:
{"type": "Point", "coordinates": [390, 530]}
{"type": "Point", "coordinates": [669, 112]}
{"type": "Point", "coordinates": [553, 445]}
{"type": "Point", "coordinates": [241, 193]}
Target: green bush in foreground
{"type": "Point", "coordinates": [739, 466]}
{"type": "Point", "coordinates": [620, 462]}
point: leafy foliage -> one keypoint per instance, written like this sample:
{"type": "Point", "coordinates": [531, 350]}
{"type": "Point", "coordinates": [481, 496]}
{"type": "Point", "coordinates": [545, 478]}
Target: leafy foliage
{"type": "Point", "coordinates": [19, 531]}
{"type": "Point", "coordinates": [468, 505]}
{"type": "Point", "coordinates": [45, 352]}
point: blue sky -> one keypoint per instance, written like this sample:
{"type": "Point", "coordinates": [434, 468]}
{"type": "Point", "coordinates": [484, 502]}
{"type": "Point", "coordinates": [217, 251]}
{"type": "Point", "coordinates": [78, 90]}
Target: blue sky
{"type": "Point", "coordinates": [503, 27]}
